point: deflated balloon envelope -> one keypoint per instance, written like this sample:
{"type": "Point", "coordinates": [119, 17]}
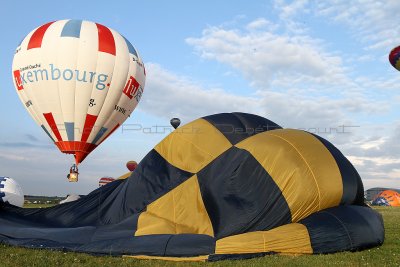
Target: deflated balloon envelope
{"type": "Point", "coordinates": [239, 186]}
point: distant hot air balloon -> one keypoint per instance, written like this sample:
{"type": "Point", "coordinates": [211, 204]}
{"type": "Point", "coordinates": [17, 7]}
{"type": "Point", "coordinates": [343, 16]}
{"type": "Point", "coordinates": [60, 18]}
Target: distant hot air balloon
{"type": "Point", "coordinates": [394, 57]}
{"type": "Point", "coordinates": [131, 165]}
{"type": "Point", "coordinates": [105, 180]}
{"type": "Point", "coordinates": [79, 81]}
{"type": "Point", "coordinates": [175, 122]}
{"type": "Point", "coordinates": [387, 198]}
{"type": "Point", "coordinates": [11, 192]}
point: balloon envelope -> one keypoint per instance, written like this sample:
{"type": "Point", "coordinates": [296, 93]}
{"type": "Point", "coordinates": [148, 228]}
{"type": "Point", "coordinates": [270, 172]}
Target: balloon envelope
{"type": "Point", "coordinates": [11, 192]}
{"type": "Point", "coordinates": [175, 122]}
{"type": "Point", "coordinates": [70, 198]}
{"type": "Point", "coordinates": [79, 81]}
{"type": "Point", "coordinates": [394, 57]}
{"type": "Point", "coordinates": [131, 165]}
{"type": "Point", "coordinates": [387, 198]}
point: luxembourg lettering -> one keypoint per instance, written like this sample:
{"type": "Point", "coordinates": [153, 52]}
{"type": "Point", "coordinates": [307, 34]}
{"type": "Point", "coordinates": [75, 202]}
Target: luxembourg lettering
{"type": "Point", "coordinates": [133, 89]}
{"type": "Point", "coordinates": [35, 73]}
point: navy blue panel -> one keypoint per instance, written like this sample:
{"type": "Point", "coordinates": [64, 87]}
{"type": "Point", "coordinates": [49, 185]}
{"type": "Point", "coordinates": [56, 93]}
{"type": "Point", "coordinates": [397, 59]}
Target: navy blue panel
{"type": "Point", "coordinates": [111, 203]}
{"type": "Point", "coordinates": [190, 245]}
{"type": "Point", "coordinates": [344, 228]}
{"type": "Point", "coordinates": [241, 196]}
{"type": "Point", "coordinates": [353, 189]}
{"type": "Point", "coordinates": [152, 178]}
{"type": "Point", "coordinates": [183, 245]}
{"type": "Point", "coordinates": [92, 210]}
{"type": "Point", "coordinates": [238, 126]}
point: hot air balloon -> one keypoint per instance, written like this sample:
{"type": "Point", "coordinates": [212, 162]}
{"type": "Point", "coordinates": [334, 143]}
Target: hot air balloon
{"type": "Point", "coordinates": [212, 195]}
{"type": "Point", "coordinates": [394, 57]}
{"type": "Point", "coordinates": [79, 81]}
{"type": "Point", "coordinates": [11, 192]}
{"type": "Point", "coordinates": [131, 165]}
{"type": "Point", "coordinates": [387, 198]}
{"type": "Point", "coordinates": [105, 180]}
{"type": "Point", "coordinates": [175, 122]}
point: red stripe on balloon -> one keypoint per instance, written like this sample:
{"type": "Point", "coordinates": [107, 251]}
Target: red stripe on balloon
{"type": "Point", "coordinates": [88, 127]}
{"type": "Point", "coordinates": [37, 36]}
{"type": "Point", "coordinates": [53, 126]}
{"type": "Point", "coordinates": [106, 40]}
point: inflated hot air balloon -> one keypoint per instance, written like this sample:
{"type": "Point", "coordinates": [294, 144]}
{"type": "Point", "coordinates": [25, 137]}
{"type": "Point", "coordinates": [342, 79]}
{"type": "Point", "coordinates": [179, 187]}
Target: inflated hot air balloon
{"type": "Point", "coordinates": [131, 165]}
{"type": "Point", "coordinates": [394, 57]}
{"type": "Point", "coordinates": [79, 81]}
{"type": "Point", "coordinates": [175, 122]}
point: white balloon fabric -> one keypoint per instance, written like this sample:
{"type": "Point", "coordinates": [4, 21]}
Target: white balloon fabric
{"type": "Point", "coordinates": [79, 80]}
{"type": "Point", "coordinates": [70, 198]}
{"type": "Point", "coordinates": [11, 192]}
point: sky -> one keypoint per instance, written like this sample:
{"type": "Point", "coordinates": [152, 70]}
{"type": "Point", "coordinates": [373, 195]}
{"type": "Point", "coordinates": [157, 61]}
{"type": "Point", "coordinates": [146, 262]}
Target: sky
{"type": "Point", "coordinates": [319, 66]}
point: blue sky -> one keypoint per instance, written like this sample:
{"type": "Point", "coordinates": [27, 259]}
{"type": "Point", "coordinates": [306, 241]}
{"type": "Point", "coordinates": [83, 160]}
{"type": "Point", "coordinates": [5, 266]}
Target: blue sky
{"type": "Point", "coordinates": [314, 65]}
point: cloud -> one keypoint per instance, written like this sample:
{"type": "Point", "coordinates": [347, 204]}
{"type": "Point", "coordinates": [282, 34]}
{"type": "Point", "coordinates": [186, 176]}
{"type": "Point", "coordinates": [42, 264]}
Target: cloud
{"type": "Point", "coordinates": [263, 56]}
{"type": "Point", "coordinates": [23, 145]}
{"type": "Point", "coordinates": [168, 95]}
{"type": "Point", "coordinates": [371, 21]}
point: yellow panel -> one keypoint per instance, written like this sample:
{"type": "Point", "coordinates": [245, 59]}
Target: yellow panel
{"type": "Point", "coordinates": [179, 211]}
{"type": "Point", "coordinates": [193, 146]}
{"type": "Point", "coordinates": [301, 166]}
{"type": "Point", "coordinates": [145, 257]}
{"type": "Point", "coordinates": [126, 175]}
{"type": "Point", "coordinates": [289, 239]}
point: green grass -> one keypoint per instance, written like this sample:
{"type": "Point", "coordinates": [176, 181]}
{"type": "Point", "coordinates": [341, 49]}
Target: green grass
{"type": "Point", "coordinates": [31, 205]}
{"type": "Point", "coordinates": [386, 255]}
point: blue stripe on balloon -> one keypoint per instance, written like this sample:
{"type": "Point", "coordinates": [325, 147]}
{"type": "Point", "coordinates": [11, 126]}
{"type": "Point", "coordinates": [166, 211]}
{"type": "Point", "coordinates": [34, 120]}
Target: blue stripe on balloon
{"type": "Point", "coordinates": [132, 50]}
{"type": "Point", "coordinates": [69, 127]}
{"type": "Point", "coordinates": [2, 194]}
{"type": "Point", "coordinates": [72, 28]}
{"type": "Point", "coordinates": [47, 132]}
{"type": "Point", "coordinates": [99, 135]}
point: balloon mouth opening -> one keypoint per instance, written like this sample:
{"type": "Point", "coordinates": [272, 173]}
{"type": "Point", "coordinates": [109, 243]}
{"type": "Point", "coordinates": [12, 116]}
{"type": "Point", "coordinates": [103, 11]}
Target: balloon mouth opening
{"type": "Point", "coordinates": [79, 149]}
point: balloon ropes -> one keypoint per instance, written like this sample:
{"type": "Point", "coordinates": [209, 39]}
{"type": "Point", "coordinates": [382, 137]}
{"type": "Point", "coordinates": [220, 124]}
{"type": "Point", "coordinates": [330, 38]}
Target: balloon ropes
{"type": "Point", "coordinates": [79, 81]}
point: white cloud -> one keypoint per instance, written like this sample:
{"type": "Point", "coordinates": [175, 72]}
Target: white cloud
{"type": "Point", "coordinates": [263, 56]}
{"type": "Point", "coordinates": [261, 24]}
{"type": "Point", "coordinates": [371, 21]}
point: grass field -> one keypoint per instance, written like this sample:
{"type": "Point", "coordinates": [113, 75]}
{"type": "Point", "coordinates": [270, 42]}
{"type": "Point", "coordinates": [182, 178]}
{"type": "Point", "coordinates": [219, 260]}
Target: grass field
{"type": "Point", "coordinates": [386, 255]}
